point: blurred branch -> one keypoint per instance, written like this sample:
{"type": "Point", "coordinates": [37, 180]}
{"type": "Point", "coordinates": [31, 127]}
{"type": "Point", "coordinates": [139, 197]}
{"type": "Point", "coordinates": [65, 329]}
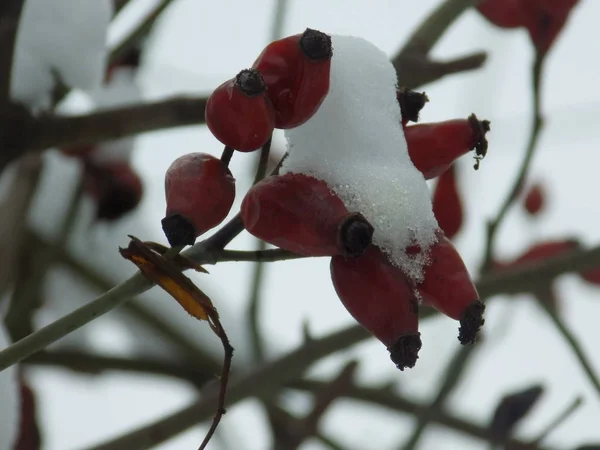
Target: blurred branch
{"type": "Point", "coordinates": [416, 70]}
{"type": "Point", "coordinates": [141, 30]}
{"type": "Point", "coordinates": [257, 343]}
{"type": "Point", "coordinates": [571, 340]}
{"type": "Point", "coordinates": [10, 12]}
{"type": "Point", "coordinates": [564, 415]}
{"type": "Point", "coordinates": [536, 126]}
{"type": "Point", "coordinates": [450, 380]}
{"type": "Point", "coordinates": [510, 281]}
{"type": "Point", "coordinates": [281, 7]}
{"type": "Point", "coordinates": [15, 209]}
{"type": "Point", "coordinates": [298, 430]}
{"type": "Point", "coordinates": [197, 371]}
{"type": "Point", "coordinates": [46, 131]}
{"type": "Point", "coordinates": [27, 293]}
{"type": "Point", "coordinates": [392, 400]}
{"type": "Point", "coordinates": [412, 62]}
{"type": "Point", "coordinates": [329, 441]}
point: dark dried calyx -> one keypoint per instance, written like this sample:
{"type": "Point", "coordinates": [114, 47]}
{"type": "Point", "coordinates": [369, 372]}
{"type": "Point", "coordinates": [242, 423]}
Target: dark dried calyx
{"type": "Point", "coordinates": [471, 322]}
{"type": "Point", "coordinates": [405, 351]}
{"type": "Point", "coordinates": [355, 234]}
{"type": "Point", "coordinates": [411, 103]}
{"type": "Point", "coordinates": [178, 230]}
{"type": "Point", "coordinates": [251, 82]}
{"type": "Point", "coordinates": [480, 128]}
{"type": "Point", "coordinates": [316, 45]}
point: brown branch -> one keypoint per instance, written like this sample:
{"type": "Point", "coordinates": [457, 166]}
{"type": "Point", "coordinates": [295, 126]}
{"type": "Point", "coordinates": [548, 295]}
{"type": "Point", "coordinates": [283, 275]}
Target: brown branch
{"type": "Point", "coordinates": [10, 12]}
{"type": "Point", "coordinates": [390, 399]}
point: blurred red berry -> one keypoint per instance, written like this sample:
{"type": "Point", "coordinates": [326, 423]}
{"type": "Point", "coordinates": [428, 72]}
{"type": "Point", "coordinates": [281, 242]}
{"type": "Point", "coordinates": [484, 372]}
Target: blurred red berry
{"type": "Point", "coordinates": [543, 19]}
{"type": "Point", "coordinates": [544, 250]}
{"type": "Point", "coordinates": [300, 213]}
{"type": "Point", "coordinates": [433, 147]}
{"type": "Point", "coordinates": [296, 72]}
{"type": "Point", "coordinates": [534, 200]}
{"type": "Point", "coordinates": [591, 276]}
{"type": "Point", "coordinates": [447, 204]}
{"type": "Point", "coordinates": [447, 286]}
{"type": "Point", "coordinates": [115, 187]}
{"type": "Point", "coordinates": [29, 433]}
{"type": "Point", "coordinates": [79, 151]}
{"type": "Point", "coordinates": [200, 191]}
{"type": "Point", "coordinates": [502, 13]}
{"type": "Point", "coordinates": [239, 113]}
{"type": "Point", "coordinates": [379, 296]}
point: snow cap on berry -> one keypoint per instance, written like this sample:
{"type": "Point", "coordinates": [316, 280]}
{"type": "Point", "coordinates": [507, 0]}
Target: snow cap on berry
{"type": "Point", "coordinates": [355, 143]}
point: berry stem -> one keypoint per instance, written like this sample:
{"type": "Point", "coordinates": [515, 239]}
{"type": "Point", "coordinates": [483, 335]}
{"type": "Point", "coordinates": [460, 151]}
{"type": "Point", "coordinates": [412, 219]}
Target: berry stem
{"type": "Point", "coordinates": [226, 155]}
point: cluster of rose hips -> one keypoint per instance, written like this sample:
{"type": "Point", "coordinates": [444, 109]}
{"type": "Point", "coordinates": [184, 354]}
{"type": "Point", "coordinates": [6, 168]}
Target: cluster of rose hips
{"type": "Point", "coordinates": [297, 212]}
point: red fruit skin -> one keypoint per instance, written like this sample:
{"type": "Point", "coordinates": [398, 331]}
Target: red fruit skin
{"type": "Point", "coordinates": [377, 294]}
{"type": "Point", "coordinates": [296, 85]}
{"type": "Point", "coordinates": [237, 120]}
{"type": "Point", "coordinates": [534, 200]}
{"type": "Point", "coordinates": [447, 204]}
{"type": "Point", "coordinates": [591, 276]}
{"type": "Point", "coordinates": [200, 188]}
{"type": "Point", "coordinates": [115, 187]}
{"type": "Point", "coordinates": [502, 13]}
{"type": "Point", "coordinates": [545, 19]}
{"type": "Point", "coordinates": [447, 285]}
{"type": "Point", "coordinates": [433, 147]}
{"type": "Point", "coordinates": [296, 212]}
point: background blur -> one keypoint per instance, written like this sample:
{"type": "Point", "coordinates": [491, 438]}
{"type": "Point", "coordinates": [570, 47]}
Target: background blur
{"type": "Point", "coordinates": [195, 46]}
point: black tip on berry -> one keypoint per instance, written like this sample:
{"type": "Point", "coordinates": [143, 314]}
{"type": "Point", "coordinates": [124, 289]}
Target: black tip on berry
{"type": "Point", "coordinates": [251, 82]}
{"type": "Point", "coordinates": [316, 45]}
{"type": "Point", "coordinates": [411, 103]}
{"type": "Point", "coordinates": [405, 351]}
{"type": "Point", "coordinates": [480, 128]}
{"type": "Point", "coordinates": [178, 230]}
{"type": "Point", "coordinates": [471, 322]}
{"type": "Point", "coordinates": [355, 234]}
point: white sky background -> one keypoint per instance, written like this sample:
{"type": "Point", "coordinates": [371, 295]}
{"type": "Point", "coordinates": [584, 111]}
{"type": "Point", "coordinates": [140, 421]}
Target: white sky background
{"type": "Point", "coordinates": [197, 45]}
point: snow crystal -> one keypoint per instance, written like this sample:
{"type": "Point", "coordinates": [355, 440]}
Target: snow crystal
{"type": "Point", "coordinates": [63, 36]}
{"type": "Point", "coordinates": [9, 404]}
{"type": "Point", "coordinates": [356, 144]}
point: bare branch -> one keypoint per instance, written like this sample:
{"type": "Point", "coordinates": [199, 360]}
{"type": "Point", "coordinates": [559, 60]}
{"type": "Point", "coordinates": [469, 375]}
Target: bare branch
{"type": "Point", "coordinates": [10, 12]}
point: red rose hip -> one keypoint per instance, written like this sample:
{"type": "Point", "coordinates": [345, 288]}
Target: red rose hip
{"type": "Point", "coordinates": [534, 200]}
{"type": "Point", "coordinates": [379, 296]}
{"type": "Point", "coordinates": [301, 214]}
{"type": "Point", "coordinates": [447, 205]}
{"type": "Point", "coordinates": [239, 113]}
{"type": "Point", "coordinates": [199, 190]}
{"type": "Point", "coordinates": [433, 147]}
{"type": "Point", "coordinates": [447, 286]}
{"type": "Point", "coordinates": [296, 71]}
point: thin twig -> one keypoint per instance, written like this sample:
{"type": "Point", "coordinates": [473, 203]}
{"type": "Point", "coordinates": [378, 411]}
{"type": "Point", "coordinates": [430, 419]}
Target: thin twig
{"type": "Point", "coordinates": [396, 403]}
{"type": "Point", "coordinates": [15, 208]}
{"type": "Point", "coordinates": [510, 281]}
{"type": "Point", "coordinates": [281, 7]}
{"type": "Point", "coordinates": [259, 269]}
{"type": "Point", "coordinates": [576, 348]}
{"type": "Point", "coordinates": [536, 126]}
{"type": "Point", "coordinates": [451, 378]}
{"type": "Point", "coordinates": [564, 415]}
{"type": "Point", "coordinates": [226, 155]}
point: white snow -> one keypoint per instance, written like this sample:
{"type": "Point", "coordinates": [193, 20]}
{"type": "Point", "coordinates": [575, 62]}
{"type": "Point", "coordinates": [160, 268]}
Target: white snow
{"type": "Point", "coordinates": [9, 403]}
{"type": "Point", "coordinates": [355, 143]}
{"type": "Point", "coordinates": [63, 36]}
